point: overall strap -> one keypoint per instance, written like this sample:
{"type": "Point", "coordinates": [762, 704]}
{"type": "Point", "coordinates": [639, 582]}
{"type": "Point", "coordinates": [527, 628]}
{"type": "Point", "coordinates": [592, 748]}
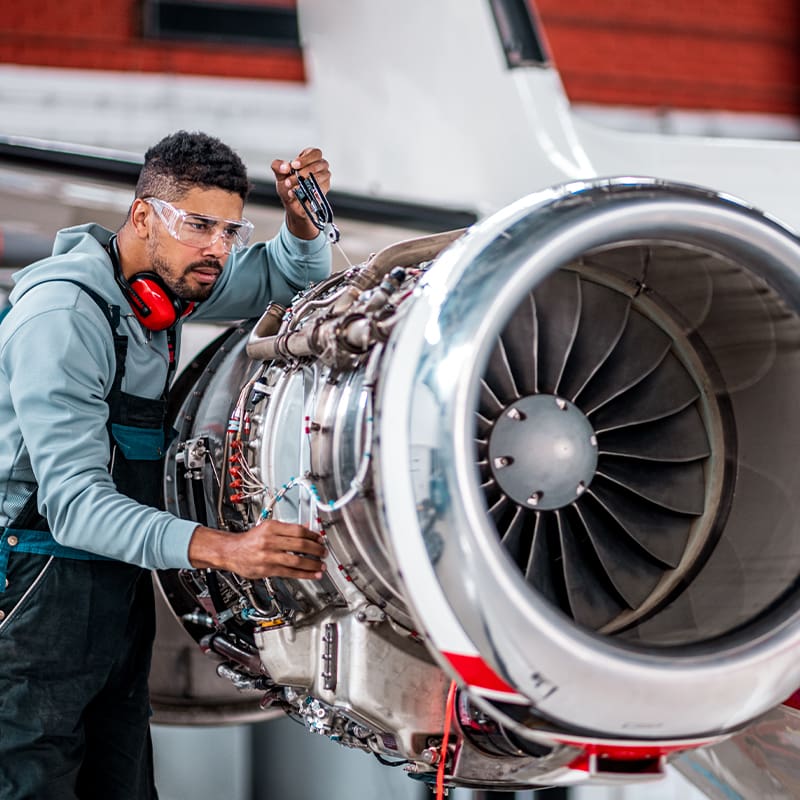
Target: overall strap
{"type": "Point", "coordinates": [172, 339]}
{"type": "Point", "coordinates": [112, 314]}
{"type": "Point", "coordinates": [29, 519]}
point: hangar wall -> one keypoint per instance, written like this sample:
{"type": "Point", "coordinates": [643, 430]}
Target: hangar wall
{"type": "Point", "coordinates": [738, 55]}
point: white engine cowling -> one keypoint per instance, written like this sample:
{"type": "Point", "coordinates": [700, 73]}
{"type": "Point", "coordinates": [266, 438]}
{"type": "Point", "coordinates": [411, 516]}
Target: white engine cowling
{"type": "Point", "coordinates": [553, 458]}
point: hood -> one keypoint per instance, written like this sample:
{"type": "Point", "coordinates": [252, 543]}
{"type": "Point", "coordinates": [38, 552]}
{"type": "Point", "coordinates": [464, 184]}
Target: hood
{"type": "Point", "coordinates": [78, 253]}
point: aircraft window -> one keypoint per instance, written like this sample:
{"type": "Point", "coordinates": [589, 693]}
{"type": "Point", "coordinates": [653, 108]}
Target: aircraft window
{"type": "Point", "coordinates": [519, 34]}
{"type": "Point", "coordinates": [248, 23]}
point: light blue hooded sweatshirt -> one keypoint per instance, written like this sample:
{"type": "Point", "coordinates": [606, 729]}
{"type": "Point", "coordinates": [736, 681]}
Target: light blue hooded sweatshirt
{"type": "Point", "coordinates": [57, 366]}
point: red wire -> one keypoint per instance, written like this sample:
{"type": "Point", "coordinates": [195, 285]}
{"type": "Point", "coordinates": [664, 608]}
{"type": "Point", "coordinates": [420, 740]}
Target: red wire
{"type": "Point", "coordinates": [448, 714]}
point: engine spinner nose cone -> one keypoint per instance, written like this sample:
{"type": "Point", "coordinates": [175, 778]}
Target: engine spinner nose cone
{"type": "Point", "coordinates": [543, 452]}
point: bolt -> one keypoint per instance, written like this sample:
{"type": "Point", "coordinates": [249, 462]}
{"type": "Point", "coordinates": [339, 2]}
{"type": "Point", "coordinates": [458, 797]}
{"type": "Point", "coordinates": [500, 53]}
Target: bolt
{"type": "Point", "coordinates": [503, 461]}
{"type": "Point", "coordinates": [515, 414]}
{"type": "Point", "coordinates": [593, 441]}
{"type": "Point", "coordinates": [580, 489]}
{"type": "Point", "coordinates": [535, 497]}
{"type": "Point", "coordinates": [561, 403]}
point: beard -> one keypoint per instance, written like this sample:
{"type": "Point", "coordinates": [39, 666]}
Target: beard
{"type": "Point", "coordinates": [179, 283]}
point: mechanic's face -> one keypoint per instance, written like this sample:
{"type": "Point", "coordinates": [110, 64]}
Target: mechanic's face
{"type": "Point", "coordinates": [188, 268]}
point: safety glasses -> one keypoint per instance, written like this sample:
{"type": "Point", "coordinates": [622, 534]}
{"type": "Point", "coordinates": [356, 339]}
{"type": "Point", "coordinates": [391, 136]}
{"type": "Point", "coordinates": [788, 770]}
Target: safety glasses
{"type": "Point", "coordinates": [199, 230]}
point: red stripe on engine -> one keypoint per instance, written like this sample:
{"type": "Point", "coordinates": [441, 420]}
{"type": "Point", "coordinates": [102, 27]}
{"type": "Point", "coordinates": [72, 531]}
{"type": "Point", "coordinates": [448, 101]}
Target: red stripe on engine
{"type": "Point", "coordinates": [476, 672]}
{"type": "Point", "coordinates": [622, 753]}
{"type": "Point", "coordinates": [793, 701]}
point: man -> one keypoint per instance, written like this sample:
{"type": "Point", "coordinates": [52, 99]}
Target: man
{"type": "Point", "coordinates": [86, 354]}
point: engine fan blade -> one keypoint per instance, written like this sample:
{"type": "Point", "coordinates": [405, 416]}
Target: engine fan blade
{"type": "Point", "coordinates": [558, 308]}
{"type": "Point", "coordinates": [592, 599]}
{"type": "Point", "coordinates": [517, 535]}
{"type": "Point", "coordinates": [488, 482]}
{"type": "Point", "coordinates": [489, 405]}
{"type": "Point", "coordinates": [627, 565]}
{"type": "Point", "coordinates": [630, 262]}
{"type": "Point", "coordinates": [740, 328]}
{"type": "Point", "coordinates": [519, 341]}
{"type": "Point", "coordinates": [680, 487]}
{"type": "Point", "coordinates": [641, 348]}
{"type": "Point", "coordinates": [482, 428]}
{"type": "Point", "coordinates": [681, 437]}
{"type": "Point", "coordinates": [544, 570]}
{"type": "Point", "coordinates": [660, 532]}
{"type": "Point", "coordinates": [604, 315]}
{"type": "Point", "coordinates": [682, 278]}
{"type": "Point", "coordinates": [499, 376]}
{"type": "Point", "coordinates": [666, 390]}
{"type": "Point", "coordinates": [490, 488]}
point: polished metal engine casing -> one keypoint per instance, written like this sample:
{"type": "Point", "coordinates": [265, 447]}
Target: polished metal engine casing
{"type": "Point", "coordinates": [630, 592]}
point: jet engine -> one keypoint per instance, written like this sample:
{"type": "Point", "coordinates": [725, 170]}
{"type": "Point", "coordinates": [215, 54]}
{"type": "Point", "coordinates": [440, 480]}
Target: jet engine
{"type": "Point", "coordinates": [554, 460]}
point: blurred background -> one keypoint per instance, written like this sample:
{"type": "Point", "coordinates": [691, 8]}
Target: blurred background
{"type": "Point", "coordinates": [87, 85]}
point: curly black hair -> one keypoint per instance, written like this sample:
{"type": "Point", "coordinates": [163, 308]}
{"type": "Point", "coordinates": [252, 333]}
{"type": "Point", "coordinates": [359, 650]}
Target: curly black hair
{"type": "Point", "coordinates": [184, 160]}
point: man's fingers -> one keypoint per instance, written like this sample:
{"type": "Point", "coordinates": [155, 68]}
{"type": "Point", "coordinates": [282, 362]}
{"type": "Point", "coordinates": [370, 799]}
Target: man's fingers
{"type": "Point", "coordinates": [301, 546]}
{"type": "Point", "coordinates": [307, 156]}
{"type": "Point", "coordinates": [287, 572]}
{"type": "Point", "coordinates": [309, 159]}
{"type": "Point", "coordinates": [321, 172]}
{"type": "Point", "coordinates": [280, 537]}
{"type": "Point", "coordinates": [299, 562]}
{"type": "Point", "coordinates": [287, 530]}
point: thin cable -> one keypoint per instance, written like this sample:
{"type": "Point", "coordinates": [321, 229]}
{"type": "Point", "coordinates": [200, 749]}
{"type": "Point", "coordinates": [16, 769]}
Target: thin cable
{"type": "Point", "coordinates": [349, 262]}
{"type": "Point", "coordinates": [387, 763]}
{"type": "Point", "coordinates": [451, 700]}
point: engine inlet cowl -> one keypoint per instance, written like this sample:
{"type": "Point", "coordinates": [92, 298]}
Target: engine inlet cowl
{"type": "Point", "coordinates": [592, 497]}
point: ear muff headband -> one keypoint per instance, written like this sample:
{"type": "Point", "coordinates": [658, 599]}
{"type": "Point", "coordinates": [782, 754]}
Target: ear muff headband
{"type": "Point", "coordinates": [153, 303]}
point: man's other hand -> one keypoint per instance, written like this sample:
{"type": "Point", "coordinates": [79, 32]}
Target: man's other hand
{"type": "Point", "coordinates": [269, 549]}
{"type": "Point", "coordinates": [308, 161]}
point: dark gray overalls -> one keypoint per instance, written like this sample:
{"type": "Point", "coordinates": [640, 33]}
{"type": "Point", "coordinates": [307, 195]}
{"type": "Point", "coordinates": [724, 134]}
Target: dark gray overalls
{"type": "Point", "coordinates": [76, 634]}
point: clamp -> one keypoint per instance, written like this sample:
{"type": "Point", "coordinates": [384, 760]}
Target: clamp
{"type": "Point", "coordinates": [316, 205]}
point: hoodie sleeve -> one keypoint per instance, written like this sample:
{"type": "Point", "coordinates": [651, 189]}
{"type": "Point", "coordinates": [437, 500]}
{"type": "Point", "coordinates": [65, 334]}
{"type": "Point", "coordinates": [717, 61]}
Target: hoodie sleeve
{"type": "Point", "coordinates": [61, 412]}
{"type": "Point", "coordinates": [272, 271]}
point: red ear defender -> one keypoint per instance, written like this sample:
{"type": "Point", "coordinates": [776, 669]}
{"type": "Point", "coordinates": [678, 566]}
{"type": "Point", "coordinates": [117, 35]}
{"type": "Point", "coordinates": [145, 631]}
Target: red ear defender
{"type": "Point", "coordinates": [153, 303]}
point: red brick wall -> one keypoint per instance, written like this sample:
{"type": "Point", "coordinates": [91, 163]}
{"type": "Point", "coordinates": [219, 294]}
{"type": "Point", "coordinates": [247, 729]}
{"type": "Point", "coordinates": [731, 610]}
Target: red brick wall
{"type": "Point", "coordinates": [737, 55]}
{"type": "Point", "coordinates": [106, 34]}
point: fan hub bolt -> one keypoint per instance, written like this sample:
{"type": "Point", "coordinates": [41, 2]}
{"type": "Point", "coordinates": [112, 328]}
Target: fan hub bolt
{"type": "Point", "coordinates": [543, 452]}
{"type": "Point", "coordinates": [535, 498]}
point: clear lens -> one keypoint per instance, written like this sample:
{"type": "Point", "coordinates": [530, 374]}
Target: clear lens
{"type": "Point", "coordinates": [197, 230]}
